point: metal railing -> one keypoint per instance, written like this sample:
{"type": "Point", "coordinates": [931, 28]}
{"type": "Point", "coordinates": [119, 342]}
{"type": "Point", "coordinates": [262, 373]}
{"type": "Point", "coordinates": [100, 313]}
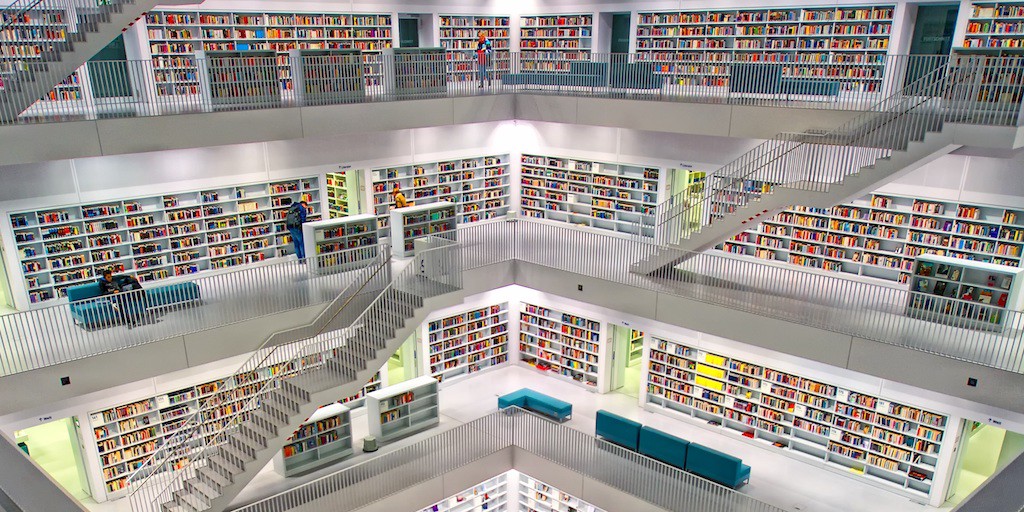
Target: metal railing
{"type": "Point", "coordinates": [187, 84]}
{"type": "Point", "coordinates": [433, 272]}
{"type": "Point", "coordinates": [57, 334]}
{"type": "Point", "coordinates": [642, 477]}
{"type": "Point", "coordinates": [946, 91]}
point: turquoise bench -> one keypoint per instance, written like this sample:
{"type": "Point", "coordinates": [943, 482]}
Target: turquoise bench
{"type": "Point", "coordinates": [616, 429]}
{"type": "Point", "coordinates": [767, 78]}
{"type": "Point", "coordinates": [91, 309]}
{"type": "Point", "coordinates": [531, 400]}
{"type": "Point", "coordinates": [716, 466]}
{"type": "Point", "coordinates": [663, 446]}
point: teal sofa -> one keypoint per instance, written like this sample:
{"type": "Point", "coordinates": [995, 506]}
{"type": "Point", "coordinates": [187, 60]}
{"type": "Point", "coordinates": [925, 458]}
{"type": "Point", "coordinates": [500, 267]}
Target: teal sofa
{"type": "Point", "coordinates": [581, 74]}
{"type": "Point", "coordinates": [531, 400]}
{"type": "Point", "coordinates": [716, 466]}
{"type": "Point", "coordinates": [663, 446]}
{"type": "Point", "coordinates": [91, 309]}
{"type": "Point", "coordinates": [767, 78]}
{"type": "Point", "coordinates": [616, 429]}
{"type": "Point", "coordinates": [634, 75]}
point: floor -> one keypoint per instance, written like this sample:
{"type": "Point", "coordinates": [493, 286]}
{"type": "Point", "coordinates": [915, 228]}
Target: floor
{"type": "Point", "coordinates": [50, 446]}
{"type": "Point", "coordinates": [779, 480]}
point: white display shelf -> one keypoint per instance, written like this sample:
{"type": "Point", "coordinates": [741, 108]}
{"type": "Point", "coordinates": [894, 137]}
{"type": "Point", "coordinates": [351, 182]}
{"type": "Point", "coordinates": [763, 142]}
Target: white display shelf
{"type": "Point", "coordinates": [865, 435]}
{"type": "Point", "coordinates": [538, 496]}
{"type": "Point", "coordinates": [154, 237]}
{"type": "Point", "coordinates": [562, 344]}
{"type": "Point", "coordinates": [491, 495]}
{"type": "Point", "coordinates": [378, 381]}
{"type": "Point", "coordinates": [324, 438]}
{"type": "Point", "coordinates": [996, 25]}
{"type": "Point", "coordinates": [551, 42]}
{"type": "Point", "coordinates": [334, 244]}
{"type": "Point", "coordinates": [616, 197]}
{"type": "Point", "coordinates": [466, 343]}
{"type": "Point", "coordinates": [459, 37]}
{"type": "Point", "coordinates": [964, 293]}
{"type": "Point", "coordinates": [403, 409]}
{"type": "Point", "coordinates": [419, 221]}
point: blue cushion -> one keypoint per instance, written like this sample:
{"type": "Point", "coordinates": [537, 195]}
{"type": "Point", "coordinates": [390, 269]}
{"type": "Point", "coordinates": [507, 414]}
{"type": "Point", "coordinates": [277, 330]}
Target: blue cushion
{"type": "Point", "coordinates": [516, 398]}
{"type": "Point", "coordinates": [172, 294]}
{"type": "Point", "coordinates": [599, 69]}
{"type": "Point", "coordinates": [809, 86]}
{"type": "Point", "coordinates": [84, 291]}
{"type": "Point", "coordinates": [716, 466]}
{"type": "Point", "coordinates": [634, 75]}
{"type": "Point", "coordinates": [529, 399]}
{"type": "Point", "coordinates": [663, 446]}
{"type": "Point", "coordinates": [621, 431]}
{"type": "Point", "coordinates": [755, 77]}
{"type": "Point", "coordinates": [93, 313]}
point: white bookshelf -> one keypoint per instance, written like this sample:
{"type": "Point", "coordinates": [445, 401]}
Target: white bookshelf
{"type": "Point", "coordinates": [857, 434]}
{"type": "Point", "coordinates": [465, 343]}
{"type": "Point", "coordinates": [343, 193]}
{"type": "Point", "coordinates": [492, 495]}
{"type": "Point", "coordinates": [847, 43]}
{"type": "Point", "coordinates": [480, 186]}
{"type": "Point", "coordinates": [324, 438]}
{"type": "Point", "coordinates": [615, 197]}
{"type": "Point", "coordinates": [459, 38]}
{"type": "Point", "coordinates": [415, 71]}
{"type": "Point", "coordinates": [636, 346]}
{"type": "Point", "coordinates": [562, 344]}
{"type": "Point", "coordinates": [324, 77]}
{"type": "Point", "coordinates": [403, 409]}
{"type": "Point", "coordinates": [995, 25]}
{"type": "Point", "coordinates": [535, 495]}
{"type": "Point", "coordinates": [378, 381]}
{"type": "Point", "coordinates": [334, 244]}
{"type": "Point", "coordinates": [237, 78]}
{"type": "Point", "coordinates": [964, 293]}
{"type": "Point", "coordinates": [156, 237]}
{"type": "Point", "coordinates": [550, 42]}
{"type": "Point", "coordinates": [419, 221]}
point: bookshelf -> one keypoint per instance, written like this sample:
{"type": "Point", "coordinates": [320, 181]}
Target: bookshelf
{"type": "Point", "coordinates": [379, 380]}
{"type": "Point", "coordinates": [30, 34]}
{"type": "Point", "coordinates": [156, 237]}
{"type": "Point", "coordinates": [537, 496]}
{"type": "Point", "coordinates": [459, 38]}
{"type": "Point", "coordinates": [232, 78]}
{"type": "Point", "coordinates": [175, 36]}
{"type": "Point", "coordinates": [848, 43]}
{"type": "Point", "coordinates": [413, 71]}
{"type": "Point", "coordinates": [466, 343]}
{"type": "Point", "coordinates": [563, 344]}
{"type": "Point", "coordinates": [419, 221]}
{"type": "Point", "coordinates": [616, 197]}
{"type": "Point", "coordinates": [893, 444]}
{"type": "Point", "coordinates": [332, 242]}
{"type": "Point", "coordinates": [963, 293]}
{"type": "Point", "coordinates": [636, 346]}
{"type": "Point", "coordinates": [343, 193]}
{"type": "Point", "coordinates": [479, 186]}
{"type": "Point", "coordinates": [995, 25]}
{"type": "Point", "coordinates": [325, 77]}
{"type": "Point", "coordinates": [403, 409]}
{"type": "Point", "coordinates": [324, 438]}
{"type": "Point", "coordinates": [491, 494]}
{"type": "Point", "coordinates": [549, 42]}
{"type": "Point", "coordinates": [879, 235]}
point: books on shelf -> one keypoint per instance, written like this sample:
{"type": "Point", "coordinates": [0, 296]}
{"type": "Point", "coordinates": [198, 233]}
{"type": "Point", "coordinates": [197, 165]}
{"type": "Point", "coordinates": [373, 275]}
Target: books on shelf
{"type": "Point", "coordinates": [973, 295]}
{"type": "Point", "coordinates": [467, 342]}
{"type": "Point", "coordinates": [404, 409]}
{"type": "Point", "coordinates": [561, 343]}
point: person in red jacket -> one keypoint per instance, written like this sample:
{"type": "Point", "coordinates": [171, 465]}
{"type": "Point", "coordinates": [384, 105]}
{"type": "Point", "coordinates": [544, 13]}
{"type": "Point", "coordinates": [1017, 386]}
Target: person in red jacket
{"type": "Point", "coordinates": [483, 55]}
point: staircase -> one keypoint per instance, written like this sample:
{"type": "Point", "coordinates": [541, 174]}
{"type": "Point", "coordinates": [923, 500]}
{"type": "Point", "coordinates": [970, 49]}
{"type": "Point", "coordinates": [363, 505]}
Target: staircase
{"type": "Point", "coordinates": [897, 135]}
{"type": "Point", "coordinates": [42, 42]}
{"type": "Point", "coordinates": [317, 371]}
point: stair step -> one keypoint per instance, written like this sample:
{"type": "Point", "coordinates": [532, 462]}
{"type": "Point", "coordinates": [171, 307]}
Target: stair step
{"type": "Point", "coordinates": [319, 380]}
{"type": "Point", "coordinates": [284, 401]}
{"type": "Point", "coordinates": [347, 363]}
{"type": "Point", "coordinates": [259, 428]}
{"type": "Point", "coordinates": [171, 506]}
{"type": "Point", "coordinates": [207, 490]}
{"type": "Point", "coordinates": [368, 339]}
{"type": "Point", "coordinates": [225, 464]}
{"type": "Point", "coordinates": [210, 475]}
{"type": "Point", "coordinates": [404, 297]}
{"type": "Point", "coordinates": [190, 499]}
{"type": "Point", "coordinates": [244, 444]}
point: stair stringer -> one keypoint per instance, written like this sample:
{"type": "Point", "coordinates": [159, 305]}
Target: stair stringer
{"type": "Point", "coordinates": [884, 170]}
{"type": "Point", "coordinates": [349, 388]}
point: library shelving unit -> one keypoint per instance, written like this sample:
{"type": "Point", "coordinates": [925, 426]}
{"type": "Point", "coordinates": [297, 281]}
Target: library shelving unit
{"type": "Point", "coordinates": [233, 78]}
{"type": "Point", "coordinates": [478, 185]}
{"type": "Point", "coordinates": [995, 25]}
{"type": "Point", "coordinates": [27, 36]}
{"type": "Point", "coordinates": [379, 380]}
{"type": "Point", "coordinates": [562, 344]}
{"type": "Point", "coordinates": [323, 77]}
{"type": "Point", "coordinates": [491, 495]}
{"type": "Point", "coordinates": [845, 43]}
{"type": "Point", "coordinates": [175, 36]}
{"type": "Point", "coordinates": [880, 235]}
{"type": "Point", "coordinates": [459, 38]}
{"type": "Point", "coordinates": [343, 193]}
{"type": "Point", "coordinates": [538, 496]}
{"type": "Point", "coordinates": [156, 237]}
{"type": "Point", "coordinates": [467, 342]}
{"type": "Point", "coordinates": [331, 241]}
{"type": "Point", "coordinates": [551, 42]}
{"type": "Point", "coordinates": [403, 409]}
{"type": "Point", "coordinates": [1000, 88]}
{"type": "Point", "coordinates": [892, 444]}
{"type": "Point", "coordinates": [964, 293]}
{"type": "Point", "coordinates": [636, 346]}
{"type": "Point", "coordinates": [419, 221]}
{"type": "Point", "coordinates": [324, 438]}
{"type": "Point", "coordinates": [616, 197]}
{"type": "Point", "coordinates": [415, 71]}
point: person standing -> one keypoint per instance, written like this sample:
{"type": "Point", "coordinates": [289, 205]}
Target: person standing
{"type": "Point", "coordinates": [293, 220]}
{"type": "Point", "coordinates": [483, 55]}
{"type": "Point", "coordinates": [400, 200]}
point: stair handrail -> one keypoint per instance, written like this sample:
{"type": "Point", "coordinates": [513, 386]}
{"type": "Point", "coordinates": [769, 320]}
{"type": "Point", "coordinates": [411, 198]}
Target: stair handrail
{"type": "Point", "coordinates": [171, 449]}
{"type": "Point", "coordinates": [311, 347]}
{"type": "Point", "coordinates": [751, 164]}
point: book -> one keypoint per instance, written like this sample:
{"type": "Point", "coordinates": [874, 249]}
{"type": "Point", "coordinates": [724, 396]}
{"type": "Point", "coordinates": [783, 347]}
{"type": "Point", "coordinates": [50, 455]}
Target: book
{"type": "Point", "coordinates": [922, 285]}
{"type": "Point", "coordinates": [985, 297]}
{"type": "Point", "coordinates": [954, 275]}
{"type": "Point", "coordinates": [940, 288]}
{"type": "Point", "coordinates": [942, 271]}
{"type": "Point", "coordinates": [1006, 282]}
{"type": "Point", "coordinates": [925, 268]}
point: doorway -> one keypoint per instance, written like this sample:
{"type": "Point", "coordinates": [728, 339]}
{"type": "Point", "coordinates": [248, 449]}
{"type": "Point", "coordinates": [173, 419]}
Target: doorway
{"type": "Point", "coordinates": [627, 354]}
{"type": "Point", "coordinates": [409, 32]}
{"type": "Point", "coordinates": [620, 33]}
{"type": "Point", "coordinates": [984, 450]}
{"type": "Point", "coordinates": [933, 35]}
{"type": "Point", "coordinates": [402, 364]}
{"type": "Point", "coordinates": [56, 447]}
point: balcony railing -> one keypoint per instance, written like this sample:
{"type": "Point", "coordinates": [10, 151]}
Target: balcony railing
{"type": "Point", "coordinates": [158, 87]}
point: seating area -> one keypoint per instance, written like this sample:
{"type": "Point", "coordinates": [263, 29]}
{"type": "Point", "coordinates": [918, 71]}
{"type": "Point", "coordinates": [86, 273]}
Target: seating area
{"type": "Point", "coordinates": [618, 75]}
{"type": "Point", "coordinates": [540, 403]}
{"type": "Point", "coordinates": [767, 78]}
{"type": "Point", "coordinates": [91, 309]}
{"type": "Point", "coordinates": [672, 450]}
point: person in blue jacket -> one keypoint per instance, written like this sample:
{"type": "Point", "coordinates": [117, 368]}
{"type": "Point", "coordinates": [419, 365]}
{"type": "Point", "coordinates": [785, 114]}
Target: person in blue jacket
{"type": "Point", "coordinates": [293, 220]}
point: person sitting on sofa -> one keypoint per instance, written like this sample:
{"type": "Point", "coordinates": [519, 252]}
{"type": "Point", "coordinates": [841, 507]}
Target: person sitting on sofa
{"type": "Point", "coordinates": [129, 306]}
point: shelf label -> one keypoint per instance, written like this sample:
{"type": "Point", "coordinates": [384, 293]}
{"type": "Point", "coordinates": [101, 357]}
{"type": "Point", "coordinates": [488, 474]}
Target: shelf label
{"type": "Point", "coordinates": [800, 409]}
{"type": "Point", "coordinates": [882, 405]}
{"type": "Point", "coordinates": [730, 401]}
{"type": "Point", "coordinates": [96, 419]}
{"type": "Point", "coordinates": [701, 355]}
{"type": "Point", "coordinates": [766, 386]}
{"type": "Point", "coordinates": [843, 395]}
{"type": "Point", "coordinates": [835, 434]}
{"type": "Point", "coordinates": [162, 402]}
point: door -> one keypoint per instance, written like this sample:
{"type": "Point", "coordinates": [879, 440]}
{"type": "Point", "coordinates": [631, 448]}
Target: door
{"type": "Point", "coordinates": [409, 32]}
{"type": "Point", "coordinates": [108, 72]}
{"type": "Point", "coordinates": [620, 33]}
{"type": "Point", "coordinates": [933, 35]}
